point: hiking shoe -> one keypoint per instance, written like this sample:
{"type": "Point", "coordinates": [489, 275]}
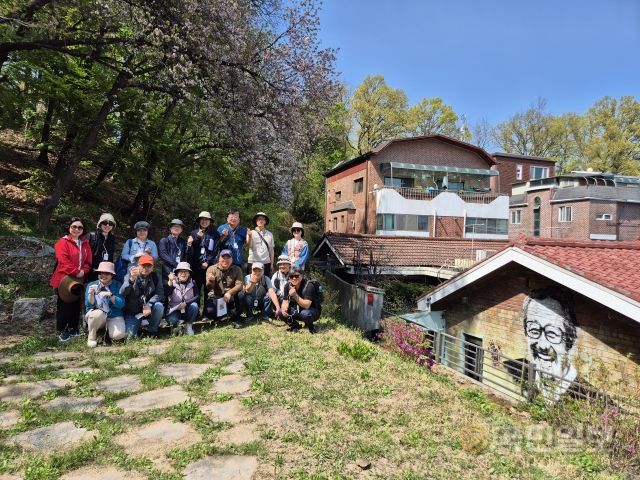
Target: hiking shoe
{"type": "Point", "coordinates": [92, 343]}
{"type": "Point", "coordinates": [144, 322]}
{"type": "Point", "coordinates": [293, 327]}
{"type": "Point", "coordinates": [64, 336]}
{"type": "Point", "coordinates": [188, 330]}
{"type": "Point", "coordinates": [73, 333]}
{"type": "Point", "coordinates": [312, 328]}
{"type": "Point", "coordinates": [267, 319]}
{"type": "Point", "coordinates": [175, 330]}
{"type": "Point", "coordinates": [163, 323]}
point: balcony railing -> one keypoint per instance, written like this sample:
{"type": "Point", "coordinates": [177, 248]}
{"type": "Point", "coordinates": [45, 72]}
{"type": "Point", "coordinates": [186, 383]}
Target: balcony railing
{"type": "Point", "coordinates": [411, 193]}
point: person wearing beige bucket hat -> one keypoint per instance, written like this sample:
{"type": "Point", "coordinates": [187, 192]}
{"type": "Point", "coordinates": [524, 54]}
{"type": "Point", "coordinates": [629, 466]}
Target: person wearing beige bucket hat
{"type": "Point", "coordinates": [261, 245]}
{"type": "Point", "coordinates": [73, 257]}
{"type": "Point", "coordinates": [204, 244]}
{"type": "Point", "coordinates": [103, 243]}
{"type": "Point", "coordinates": [104, 305]}
{"type": "Point", "coordinates": [297, 248]}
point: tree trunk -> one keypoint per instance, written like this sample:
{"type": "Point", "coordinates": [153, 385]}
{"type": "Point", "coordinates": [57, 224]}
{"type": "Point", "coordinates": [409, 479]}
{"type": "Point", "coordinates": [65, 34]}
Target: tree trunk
{"type": "Point", "coordinates": [63, 175]}
{"type": "Point", "coordinates": [113, 160]}
{"type": "Point", "coordinates": [45, 135]}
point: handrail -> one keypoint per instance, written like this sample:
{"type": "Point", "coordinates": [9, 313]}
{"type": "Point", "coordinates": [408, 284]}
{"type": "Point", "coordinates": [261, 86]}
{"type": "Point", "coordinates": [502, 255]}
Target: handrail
{"type": "Point", "coordinates": [412, 193]}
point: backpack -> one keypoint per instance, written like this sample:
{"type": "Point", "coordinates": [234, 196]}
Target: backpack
{"type": "Point", "coordinates": [121, 264]}
{"type": "Point", "coordinates": [319, 291]}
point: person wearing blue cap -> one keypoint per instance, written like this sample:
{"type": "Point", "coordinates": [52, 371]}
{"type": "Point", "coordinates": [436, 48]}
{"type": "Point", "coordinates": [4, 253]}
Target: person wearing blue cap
{"type": "Point", "coordinates": [173, 248]}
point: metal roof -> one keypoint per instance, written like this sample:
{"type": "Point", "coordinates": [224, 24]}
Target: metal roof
{"type": "Point", "coordinates": [438, 168]}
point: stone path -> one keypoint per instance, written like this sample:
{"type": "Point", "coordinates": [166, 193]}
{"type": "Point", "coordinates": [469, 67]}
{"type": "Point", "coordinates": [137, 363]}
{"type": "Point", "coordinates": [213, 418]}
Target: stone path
{"type": "Point", "coordinates": [230, 411]}
{"type": "Point", "coordinates": [184, 372]}
{"type": "Point", "coordinates": [135, 362]}
{"type": "Point", "coordinates": [102, 472]}
{"type": "Point", "coordinates": [232, 384]}
{"type": "Point", "coordinates": [9, 418]}
{"type": "Point", "coordinates": [224, 353]}
{"type": "Point", "coordinates": [235, 367]}
{"type": "Point", "coordinates": [72, 370]}
{"type": "Point", "coordinates": [161, 398]}
{"type": "Point", "coordinates": [53, 438]}
{"type": "Point", "coordinates": [15, 392]}
{"type": "Point", "coordinates": [123, 383]}
{"type": "Point", "coordinates": [75, 404]}
{"type": "Point", "coordinates": [231, 467]}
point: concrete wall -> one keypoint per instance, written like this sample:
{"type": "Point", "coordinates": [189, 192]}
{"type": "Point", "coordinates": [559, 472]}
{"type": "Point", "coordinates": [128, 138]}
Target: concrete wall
{"type": "Point", "coordinates": [355, 307]}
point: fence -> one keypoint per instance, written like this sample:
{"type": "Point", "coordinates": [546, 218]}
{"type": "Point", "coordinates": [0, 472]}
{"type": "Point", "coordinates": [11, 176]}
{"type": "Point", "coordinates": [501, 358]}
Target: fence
{"type": "Point", "coordinates": [412, 193]}
{"type": "Point", "coordinates": [517, 379]}
{"type": "Point", "coordinates": [361, 304]}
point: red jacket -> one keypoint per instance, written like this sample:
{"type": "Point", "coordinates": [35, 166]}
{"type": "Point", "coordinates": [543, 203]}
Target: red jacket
{"type": "Point", "coordinates": [68, 256]}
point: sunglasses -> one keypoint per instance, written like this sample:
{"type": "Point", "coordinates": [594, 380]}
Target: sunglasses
{"type": "Point", "coordinates": [109, 224]}
{"type": "Point", "coordinates": [294, 276]}
{"type": "Point", "coordinates": [296, 230]}
{"type": "Point", "coordinates": [77, 227]}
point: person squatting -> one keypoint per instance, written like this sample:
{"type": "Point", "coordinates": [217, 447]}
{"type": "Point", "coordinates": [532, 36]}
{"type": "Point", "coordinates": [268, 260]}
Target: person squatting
{"type": "Point", "coordinates": [127, 295]}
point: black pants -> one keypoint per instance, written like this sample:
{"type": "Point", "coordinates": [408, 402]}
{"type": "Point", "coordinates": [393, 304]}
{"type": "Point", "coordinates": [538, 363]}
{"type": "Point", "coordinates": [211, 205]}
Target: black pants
{"type": "Point", "coordinates": [200, 279]}
{"type": "Point", "coordinates": [234, 308]}
{"type": "Point", "coordinates": [67, 314]}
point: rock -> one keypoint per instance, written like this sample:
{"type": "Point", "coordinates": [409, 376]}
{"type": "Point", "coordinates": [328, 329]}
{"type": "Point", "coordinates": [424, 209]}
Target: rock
{"type": "Point", "coordinates": [18, 391]}
{"type": "Point", "coordinates": [231, 411]}
{"type": "Point", "coordinates": [34, 248]}
{"type": "Point", "coordinates": [29, 309]}
{"type": "Point", "coordinates": [73, 370]}
{"type": "Point", "coordinates": [75, 404]}
{"type": "Point", "coordinates": [9, 418]}
{"type": "Point", "coordinates": [184, 372]}
{"type": "Point", "coordinates": [123, 383]}
{"type": "Point", "coordinates": [161, 398]}
{"type": "Point", "coordinates": [53, 438]}
{"type": "Point", "coordinates": [243, 433]}
{"type": "Point", "coordinates": [224, 353]}
{"type": "Point", "coordinates": [363, 464]}
{"type": "Point", "coordinates": [230, 467]}
{"type": "Point", "coordinates": [136, 362]}
{"type": "Point", "coordinates": [8, 476]}
{"type": "Point", "coordinates": [235, 367]}
{"type": "Point", "coordinates": [56, 356]}
{"type": "Point", "coordinates": [102, 472]}
{"type": "Point", "coordinates": [156, 349]}
{"type": "Point", "coordinates": [155, 439]}
{"type": "Point", "coordinates": [232, 384]}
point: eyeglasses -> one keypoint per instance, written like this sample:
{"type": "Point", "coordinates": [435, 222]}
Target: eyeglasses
{"type": "Point", "coordinates": [294, 276]}
{"type": "Point", "coordinates": [77, 227]}
{"type": "Point", "coordinates": [108, 224]}
{"type": "Point", "coordinates": [554, 335]}
{"type": "Point", "coordinates": [146, 265]}
{"type": "Point", "coordinates": [296, 230]}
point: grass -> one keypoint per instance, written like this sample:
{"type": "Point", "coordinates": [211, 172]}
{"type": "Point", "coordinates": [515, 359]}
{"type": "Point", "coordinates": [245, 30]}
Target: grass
{"type": "Point", "coordinates": [316, 410]}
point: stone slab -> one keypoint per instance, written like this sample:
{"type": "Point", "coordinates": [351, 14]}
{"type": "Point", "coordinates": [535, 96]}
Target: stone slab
{"type": "Point", "coordinates": [75, 404]}
{"type": "Point", "coordinates": [184, 372]}
{"type": "Point", "coordinates": [228, 467]}
{"type": "Point", "coordinates": [73, 370]}
{"type": "Point", "coordinates": [9, 418]}
{"type": "Point", "coordinates": [56, 356]}
{"type": "Point", "coordinates": [8, 476]}
{"type": "Point", "coordinates": [235, 367]}
{"type": "Point", "coordinates": [17, 391]}
{"type": "Point", "coordinates": [135, 362]}
{"type": "Point", "coordinates": [102, 472]}
{"type": "Point", "coordinates": [156, 349]}
{"type": "Point", "coordinates": [29, 309]}
{"type": "Point", "coordinates": [224, 353]}
{"type": "Point", "coordinates": [230, 411]}
{"type": "Point", "coordinates": [161, 398]}
{"type": "Point", "coordinates": [243, 433]}
{"type": "Point", "coordinates": [163, 435]}
{"type": "Point", "coordinates": [53, 438]}
{"type": "Point", "coordinates": [232, 384]}
{"type": "Point", "coordinates": [123, 383]}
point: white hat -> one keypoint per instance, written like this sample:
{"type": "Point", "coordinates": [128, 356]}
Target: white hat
{"type": "Point", "coordinates": [259, 265]}
{"type": "Point", "coordinates": [297, 225]}
{"type": "Point", "coordinates": [204, 214]}
{"type": "Point", "coordinates": [182, 266]}
{"type": "Point", "coordinates": [106, 217]}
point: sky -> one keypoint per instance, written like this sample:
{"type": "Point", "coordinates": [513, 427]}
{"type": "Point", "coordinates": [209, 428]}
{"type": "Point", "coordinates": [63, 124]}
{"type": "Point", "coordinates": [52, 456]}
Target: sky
{"type": "Point", "coordinates": [490, 58]}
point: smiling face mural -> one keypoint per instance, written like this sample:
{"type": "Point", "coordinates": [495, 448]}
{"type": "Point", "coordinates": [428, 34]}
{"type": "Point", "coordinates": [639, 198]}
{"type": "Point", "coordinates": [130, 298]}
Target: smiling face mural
{"type": "Point", "coordinates": [550, 327]}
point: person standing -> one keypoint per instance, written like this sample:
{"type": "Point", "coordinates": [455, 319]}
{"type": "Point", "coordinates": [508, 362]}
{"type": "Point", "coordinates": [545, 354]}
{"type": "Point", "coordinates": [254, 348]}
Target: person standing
{"type": "Point", "coordinates": [173, 248]}
{"type": "Point", "coordinates": [74, 259]}
{"type": "Point", "coordinates": [233, 237]}
{"type": "Point", "coordinates": [224, 283]}
{"type": "Point", "coordinates": [102, 243]}
{"type": "Point", "coordinates": [143, 297]}
{"type": "Point", "coordinates": [297, 248]}
{"type": "Point", "coordinates": [204, 242]}
{"type": "Point", "coordinates": [134, 248]}
{"type": "Point", "coordinates": [104, 304]}
{"type": "Point", "coordinates": [261, 243]}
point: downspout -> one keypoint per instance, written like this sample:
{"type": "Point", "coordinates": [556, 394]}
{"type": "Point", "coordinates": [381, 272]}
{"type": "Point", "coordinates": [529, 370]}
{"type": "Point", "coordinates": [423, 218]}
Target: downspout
{"type": "Point", "coordinates": [366, 199]}
{"type": "Point", "coordinates": [435, 220]}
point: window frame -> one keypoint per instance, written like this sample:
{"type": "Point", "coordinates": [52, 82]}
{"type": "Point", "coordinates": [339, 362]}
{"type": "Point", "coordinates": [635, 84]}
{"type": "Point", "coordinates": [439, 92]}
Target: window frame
{"type": "Point", "coordinates": [338, 195]}
{"type": "Point", "coordinates": [358, 185]}
{"type": "Point", "coordinates": [562, 216]}
{"type": "Point", "coordinates": [513, 214]}
{"type": "Point", "coordinates": [603, 215]}
{"type": "Point", "coordinates": [533, 168]}
{"type": "Point", "coordinates": [519, 171]}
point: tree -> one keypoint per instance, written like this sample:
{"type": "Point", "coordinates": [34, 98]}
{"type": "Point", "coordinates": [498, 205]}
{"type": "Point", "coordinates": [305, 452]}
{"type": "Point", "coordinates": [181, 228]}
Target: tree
{"type": "Point", "coordinates": [482, 134]}
{"type": "Point", "coordinates": [431, 116]}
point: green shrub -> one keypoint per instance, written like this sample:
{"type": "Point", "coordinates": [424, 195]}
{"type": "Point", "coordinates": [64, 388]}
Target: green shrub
{"type": "Point", "coordinates": [359, 350]}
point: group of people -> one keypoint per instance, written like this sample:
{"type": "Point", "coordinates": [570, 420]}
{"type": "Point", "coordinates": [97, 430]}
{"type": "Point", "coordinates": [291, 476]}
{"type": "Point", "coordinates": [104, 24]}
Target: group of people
{"type": "Point", "coordinates": [126, 294]}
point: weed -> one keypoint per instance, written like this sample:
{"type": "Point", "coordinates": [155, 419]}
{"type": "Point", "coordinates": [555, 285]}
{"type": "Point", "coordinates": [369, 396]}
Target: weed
{"type": "Point", "coordinates": [186, 411]}
{"type": "Point", "coordinates": [359, 350]}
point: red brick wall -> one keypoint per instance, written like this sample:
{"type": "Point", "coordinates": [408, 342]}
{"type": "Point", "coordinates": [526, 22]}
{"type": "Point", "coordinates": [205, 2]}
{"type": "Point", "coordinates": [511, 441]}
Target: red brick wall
{"type": "Point", "coordinates": [448, 227]}
{"type": "Point", "coordinates": [507, 169]}
{"type": "Point", "coordinates": [343, 182]}
{"type": "Point", "coordinates": [526, 225]}
{"type": "Point", "coordinates": [492, 310]}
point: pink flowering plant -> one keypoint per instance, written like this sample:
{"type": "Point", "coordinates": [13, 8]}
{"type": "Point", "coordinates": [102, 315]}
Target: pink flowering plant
{"type": "Point", "coordinates": [407, 340]}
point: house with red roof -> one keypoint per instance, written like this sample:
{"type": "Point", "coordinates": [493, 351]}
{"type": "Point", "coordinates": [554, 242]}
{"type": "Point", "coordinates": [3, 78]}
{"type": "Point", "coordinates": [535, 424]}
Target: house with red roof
{"type": "Point", "coordinates": [565, 309]}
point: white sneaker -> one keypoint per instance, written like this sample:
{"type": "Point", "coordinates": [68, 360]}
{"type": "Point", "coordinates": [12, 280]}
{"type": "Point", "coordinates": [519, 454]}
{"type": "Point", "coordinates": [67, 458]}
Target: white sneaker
{"type": "Point", "coordinates": [92, 343]}
{"type": "Point", "coordinates": [144, 323]}
{"type": "Point", "coordinates": [188, 329]}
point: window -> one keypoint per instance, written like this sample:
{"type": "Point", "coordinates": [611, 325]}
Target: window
{"type": "Point", "coordinates": [335, 223]}
{"type": "Point", "coordinates": [497, 226]}
{"type": "Point", "coordinates": [358, 185]}
{"type": "Point", "coordinates": [539, 172]}
{"type": "Point", "coordinates": [411, 223]}
{"type": "Point", "coordinates": [398, 182]}
{"type": "Point", "coordinates": [564, 214]}
{"type": "Point", "coordinates": [341, 218]}
{"type": "Point", "coordinates": [423, 223]}
{"type": "Point", "coordinates": [338, 196]}
{"type": "Point", "coordinates": [604, 216]}
{"type": "Point", "coordinates": [516, 216]}
{"type": "Point", "coordinates": [518, 172]}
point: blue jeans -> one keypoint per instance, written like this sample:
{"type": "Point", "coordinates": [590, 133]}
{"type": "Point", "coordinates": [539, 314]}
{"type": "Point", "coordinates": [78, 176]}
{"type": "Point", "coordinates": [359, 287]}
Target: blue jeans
{"type": "Point", "coordinates": [264, 305]}
{"type": "Point", "coordinates": [190, 314]}
{"type": "Point", "coordinates": [132, 324]}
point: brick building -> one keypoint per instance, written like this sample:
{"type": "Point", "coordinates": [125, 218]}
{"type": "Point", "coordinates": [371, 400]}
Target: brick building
{"type": "Point", "coordinates": [431, 186]}
{"type": "Point", "coordinates": [508, 304]}
{"type": "Point", "coordinates": [580, 206]}
{"type": "Point", "coordinates": [516, 168]}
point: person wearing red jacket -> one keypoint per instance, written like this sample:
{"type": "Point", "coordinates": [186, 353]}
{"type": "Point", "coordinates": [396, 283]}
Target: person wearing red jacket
{"type": "Point", "coordinates": [73, 256]}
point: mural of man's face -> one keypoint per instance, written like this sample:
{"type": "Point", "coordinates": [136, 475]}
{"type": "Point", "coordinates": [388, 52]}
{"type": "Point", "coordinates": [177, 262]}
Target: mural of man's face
{"type": "Point", "coordinates": [546, 334]}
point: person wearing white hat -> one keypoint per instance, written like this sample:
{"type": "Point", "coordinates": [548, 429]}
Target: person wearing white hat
{"type": "Point", "coordinates": [173, 248]}
{"type": "Point", "coordinates": [261, 244]}
{"type": "Point", "coordinates": [104, 305]}
{"type": "Point", "coordinates": [297, 248]}
{"type": "Point", "coordinates": [102, 243]}
{"type": "Point", "coordinates": [281, 277]}
{"type": "Point", "coordinates": [259, 293]}
{"type": "Point", "coordinates": [204, 243]}
{"type": "Point", "coordinates": [182, 298]}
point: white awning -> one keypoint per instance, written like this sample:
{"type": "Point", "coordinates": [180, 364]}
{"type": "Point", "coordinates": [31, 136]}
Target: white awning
{"type": "Point", "coordinates": [438, 168]}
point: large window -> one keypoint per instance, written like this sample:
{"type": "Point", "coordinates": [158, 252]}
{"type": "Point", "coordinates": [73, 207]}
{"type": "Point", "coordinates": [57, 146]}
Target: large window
{"type": "Point", "coordinates": [539, 172]}
{"type": "Point", "coordinates": [412, 223]}
{"type": "Point", "coordinates": [564, 214]}
{"type": "Point", "coordinates": [358, 185]}
{"type": "Point", "coordinates": [516, 216]}
{"type": "Point", "coordinates": [496, 226]}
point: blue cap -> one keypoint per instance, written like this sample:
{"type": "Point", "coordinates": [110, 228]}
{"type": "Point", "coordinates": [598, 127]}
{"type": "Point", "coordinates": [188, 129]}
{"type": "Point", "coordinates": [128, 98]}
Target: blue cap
{"type": "Point", "coordinates": [226, 252]}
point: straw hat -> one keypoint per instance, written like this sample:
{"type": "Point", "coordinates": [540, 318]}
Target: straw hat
{"type": "Point", "coordinates": [71, 289]}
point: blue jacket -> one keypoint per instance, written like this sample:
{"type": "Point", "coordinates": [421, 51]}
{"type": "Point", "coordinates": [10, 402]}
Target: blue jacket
{"type": "Point", "coordinates": [170, 250]}
{"type": "Point", "coordinates": [233, 241]}
{"type": "Point", "coordinates": [132, 247]}
{"type": "Point", "coordinates": [115, 307]}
